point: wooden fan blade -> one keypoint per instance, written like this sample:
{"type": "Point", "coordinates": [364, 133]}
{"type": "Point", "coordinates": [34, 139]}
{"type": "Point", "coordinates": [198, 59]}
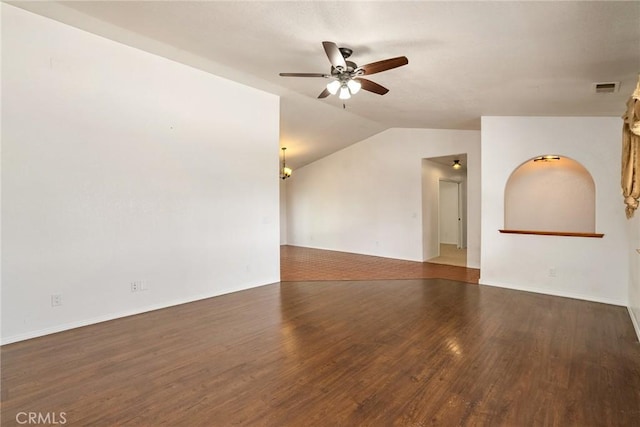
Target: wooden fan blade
{"type": "Point", "coordinates": [303, 75]}
{"type": "Point", "coordinates": [334, 55]}
{"type": "Point", "coordinates": [324, 93]}
{"type": "Point", "coordinates": [373, 86]}
{"type": "Point", "coordinates": [384, 65]}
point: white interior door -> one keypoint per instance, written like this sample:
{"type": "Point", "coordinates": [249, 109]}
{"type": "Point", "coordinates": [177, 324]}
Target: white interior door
{"type": "Point", "coordinates": [450, 221]}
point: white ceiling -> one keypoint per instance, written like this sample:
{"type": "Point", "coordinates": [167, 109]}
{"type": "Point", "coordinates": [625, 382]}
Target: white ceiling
{"type": "Point", "coordinates": [466, 59]}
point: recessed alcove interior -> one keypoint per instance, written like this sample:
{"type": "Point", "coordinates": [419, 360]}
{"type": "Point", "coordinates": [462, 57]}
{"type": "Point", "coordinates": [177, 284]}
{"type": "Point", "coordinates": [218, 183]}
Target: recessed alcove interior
{"type": "Point", "coordinates": [550, 195]}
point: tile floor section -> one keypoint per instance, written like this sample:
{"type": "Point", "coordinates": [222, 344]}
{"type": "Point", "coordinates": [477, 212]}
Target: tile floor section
{"type": "Point", "coordinates": [450, 255]}
{"type": "Point", "coordinates": [306, 264]}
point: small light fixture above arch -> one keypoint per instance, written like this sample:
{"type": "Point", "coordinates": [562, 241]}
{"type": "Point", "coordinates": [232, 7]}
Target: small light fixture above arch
{"type": "Point", "coordinates": [546, 158]}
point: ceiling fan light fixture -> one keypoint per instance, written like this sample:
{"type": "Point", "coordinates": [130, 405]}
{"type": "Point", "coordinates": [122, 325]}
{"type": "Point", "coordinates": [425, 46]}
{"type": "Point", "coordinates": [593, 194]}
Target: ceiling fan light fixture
{"type": "Point", "coordinates": [346, 76]}
{"type": "Point", "coordinates": [344, 92]}
{"type": "Point", "coordinates": [354, 86]}
{"type": "Point", "coordinates": [333, 87]}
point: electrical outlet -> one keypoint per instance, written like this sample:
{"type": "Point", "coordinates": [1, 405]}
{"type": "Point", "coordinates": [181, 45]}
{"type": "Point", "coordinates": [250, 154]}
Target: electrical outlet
{"type": "Point", "coordinates": [56, 300]}
{"type": "Point", "coordinates": [552, 272]}
{"type": "Point", "coordinates": [138, 286]}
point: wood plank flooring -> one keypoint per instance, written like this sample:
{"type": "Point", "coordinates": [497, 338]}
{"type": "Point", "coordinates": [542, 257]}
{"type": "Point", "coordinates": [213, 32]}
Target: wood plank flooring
{"type": "Point", "coordinates": [422, 352]}
{"type": "Point", "coordinates": [299, 264]}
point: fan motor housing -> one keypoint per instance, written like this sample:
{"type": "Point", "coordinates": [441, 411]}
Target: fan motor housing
{"type": "Point", "coordinates": [351, 66]}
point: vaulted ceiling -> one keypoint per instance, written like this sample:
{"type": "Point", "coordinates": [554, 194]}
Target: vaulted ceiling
{"type": "Point", "coordinates": [466, 59]}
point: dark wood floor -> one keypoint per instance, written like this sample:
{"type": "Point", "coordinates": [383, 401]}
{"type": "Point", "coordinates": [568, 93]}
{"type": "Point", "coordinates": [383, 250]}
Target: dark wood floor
{"type": "Point", "coordinates": [380, 353]}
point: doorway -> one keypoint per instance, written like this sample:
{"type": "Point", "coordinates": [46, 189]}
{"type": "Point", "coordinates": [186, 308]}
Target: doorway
{"type": "Point", "coordinates": [449, 213]}
{"type": "Point", "coordinates": [444, 210]}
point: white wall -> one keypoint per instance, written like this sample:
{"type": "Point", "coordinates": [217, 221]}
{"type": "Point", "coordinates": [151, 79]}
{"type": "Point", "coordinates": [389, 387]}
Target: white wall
{"type": "Point", "coordinates": [633, 227]}
{"type": "Point", "coordinates": [587, 268]}
{"type": "Point", "coordinates": [121, 166]}
{"type": "Point", "coordinates": [367, 198]}
{"type": "Point", "coordinates": [432, 173]}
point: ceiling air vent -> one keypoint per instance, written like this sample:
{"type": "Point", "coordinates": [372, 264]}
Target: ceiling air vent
{"type": "Point", "coordinates": [606, 87]}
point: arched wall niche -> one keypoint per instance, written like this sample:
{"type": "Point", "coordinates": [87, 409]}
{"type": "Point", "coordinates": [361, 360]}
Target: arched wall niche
{"type": "Point", "coordinates": [555, 196]}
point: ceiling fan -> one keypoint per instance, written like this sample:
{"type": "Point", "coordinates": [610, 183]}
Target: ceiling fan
{"type": "Point", "coordinates": [346, 76]}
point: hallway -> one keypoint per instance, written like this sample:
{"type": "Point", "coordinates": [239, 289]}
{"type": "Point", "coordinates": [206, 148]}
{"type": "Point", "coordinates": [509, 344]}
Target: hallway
{"type": "Point", "coordinates": [450, 255]}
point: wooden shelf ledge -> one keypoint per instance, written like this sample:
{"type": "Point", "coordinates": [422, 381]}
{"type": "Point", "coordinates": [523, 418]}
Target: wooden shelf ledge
{"type": "Point", "coordinates": [553, 233]}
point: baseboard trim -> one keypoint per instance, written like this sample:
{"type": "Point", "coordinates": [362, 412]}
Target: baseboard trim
{"type": "Point", "coordinates": [634, 321]}
{"type": "Point", "coordinates": [118, 315]}
{"type": "Point", "coordinates": [555, 293]}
